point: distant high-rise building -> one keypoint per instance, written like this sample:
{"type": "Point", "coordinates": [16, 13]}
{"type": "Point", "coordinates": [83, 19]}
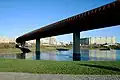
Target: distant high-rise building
{"type": "Point", "coordinates": [52, 41]}
{"type": "Point", "coordinates": [45, 41]}
{"type": "Point", "coordinates": [97, 40]}
{"type": "Point", "coordinates": [48, 41]}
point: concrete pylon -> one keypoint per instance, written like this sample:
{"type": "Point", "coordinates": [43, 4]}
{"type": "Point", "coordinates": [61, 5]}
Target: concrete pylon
{"type": "Point", "coordinates": [23, 54]}
{"type": "Point", "coordinates": [76, 46]}
{"type": "Point", "coordinates": [37, 49]}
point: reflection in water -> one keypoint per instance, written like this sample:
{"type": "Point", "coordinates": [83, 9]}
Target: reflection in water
{"type": "Point", "coordinates": [8, 56]}
{"type": "Point", "coordinates": [102, 55]}
{"type": "Point", "coordinates": [117, 54]}
{"type": "Point", "coordinates": [84, 54]}
{"type": "Point", "coordinates": [67, 55]}
{"type": "Point", "coordinates": [47, 56]}
{"type": "Point", "coordinates": [11, 56]}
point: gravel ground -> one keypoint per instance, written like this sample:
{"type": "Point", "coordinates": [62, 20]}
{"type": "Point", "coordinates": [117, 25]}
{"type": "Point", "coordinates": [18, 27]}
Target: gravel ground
{"type": "Point", "coordinates": [29, 76]}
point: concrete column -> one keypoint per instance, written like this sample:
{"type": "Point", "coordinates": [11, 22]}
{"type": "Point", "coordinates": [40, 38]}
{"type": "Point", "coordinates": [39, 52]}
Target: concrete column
{"type": "Point", "coordinates": [23, 54]}
{"type": "Point", "coordinates": [76, 46]}
{"type": "Point", "coordinates": [23, 44]}
{"type": "Point", "coordinates": [37, 49]}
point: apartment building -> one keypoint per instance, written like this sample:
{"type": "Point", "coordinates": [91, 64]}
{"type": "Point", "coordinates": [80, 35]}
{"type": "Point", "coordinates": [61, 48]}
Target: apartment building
{"type": "Point", "coordinates": [97, 40]}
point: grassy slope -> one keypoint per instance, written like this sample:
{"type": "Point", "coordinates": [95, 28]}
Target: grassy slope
{"type": "Point", "coordinates": [10, 50]}
{"type": "Point", "coordinates": [63, 67]}
{"type": "Point", "coordinates": [15, 50]}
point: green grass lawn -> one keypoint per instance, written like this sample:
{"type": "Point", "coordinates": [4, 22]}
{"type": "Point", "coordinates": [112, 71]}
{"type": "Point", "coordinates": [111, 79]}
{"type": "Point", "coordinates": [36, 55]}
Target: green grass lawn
{"type": "Point", "coordinates": [60, 67]}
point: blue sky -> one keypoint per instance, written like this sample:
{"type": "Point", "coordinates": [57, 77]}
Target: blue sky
{"type": "Point", "coordinates": [21, 16]}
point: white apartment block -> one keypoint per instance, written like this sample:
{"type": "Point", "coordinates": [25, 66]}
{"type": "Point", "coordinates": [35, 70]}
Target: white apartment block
{"type": "Point", "coordinates": [98, 40]}
{"type": "Point", "coordinates": [102, 40]}
{"type": "Point", "coordinates": [48, 41]}
{"type": "Point", "coordinates": [45, 41]}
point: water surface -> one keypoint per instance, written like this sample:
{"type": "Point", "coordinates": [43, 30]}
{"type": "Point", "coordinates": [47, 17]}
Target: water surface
{"type": "Point", "coordinates": [92, 55]}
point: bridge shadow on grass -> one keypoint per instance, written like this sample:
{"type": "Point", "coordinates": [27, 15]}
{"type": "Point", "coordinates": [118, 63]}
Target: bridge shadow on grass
{"type": "Point", "coordinates": [102, 67]}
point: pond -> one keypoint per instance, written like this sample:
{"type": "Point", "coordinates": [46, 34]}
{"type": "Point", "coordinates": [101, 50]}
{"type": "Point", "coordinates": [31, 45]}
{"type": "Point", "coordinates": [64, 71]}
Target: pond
{"type": "Point", "coordinates": [92, 55]}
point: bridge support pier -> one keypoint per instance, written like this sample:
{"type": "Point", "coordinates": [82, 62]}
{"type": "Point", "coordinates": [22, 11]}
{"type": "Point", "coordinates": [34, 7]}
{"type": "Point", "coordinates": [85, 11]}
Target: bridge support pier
{"type": "Point", "coordinates": [23, 44]}
{"type": "Point", "coordinates": [23, 54]}
{"type": "Point", "coordinates": [76, 46]}
{"type": "Point", "coordinates": [37, 49]}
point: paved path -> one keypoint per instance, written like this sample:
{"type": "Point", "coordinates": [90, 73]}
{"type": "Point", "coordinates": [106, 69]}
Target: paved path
{"type": "Point", "coordinates": [29, 76]}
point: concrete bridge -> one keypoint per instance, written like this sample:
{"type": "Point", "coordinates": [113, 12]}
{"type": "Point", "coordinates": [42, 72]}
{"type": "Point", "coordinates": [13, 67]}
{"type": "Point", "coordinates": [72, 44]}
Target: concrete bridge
{"type": "Point", "coordinates": [101, 17]}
